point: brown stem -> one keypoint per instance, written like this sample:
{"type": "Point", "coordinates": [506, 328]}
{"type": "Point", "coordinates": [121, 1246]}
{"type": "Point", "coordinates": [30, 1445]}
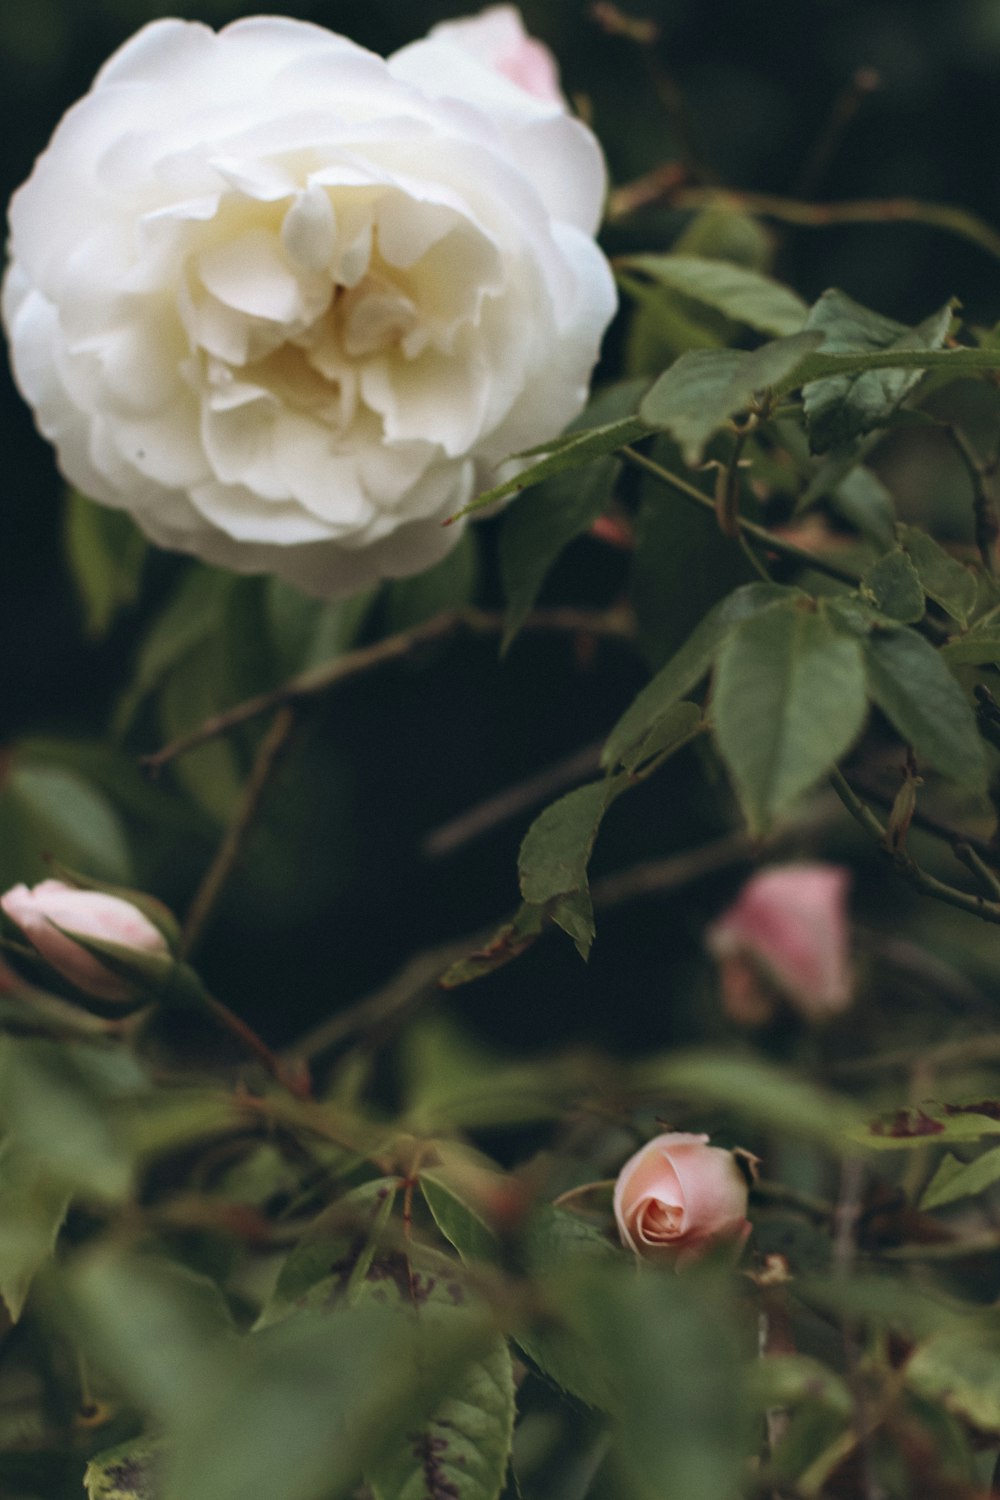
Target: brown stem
{"type": "Point", "coordinates": [845, 109]}
{"type": "Point", "coordinates": [294, 1079]}
{"type": "Point", "coordinates": [615, 624]}
{"type": "Point", "coordinates": [944, 216]}
{"type": "Point", "coordinates": [273, 749]}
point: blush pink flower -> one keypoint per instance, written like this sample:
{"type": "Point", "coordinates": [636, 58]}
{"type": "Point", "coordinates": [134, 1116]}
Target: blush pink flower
{"type": "Point", "coordinates": [497, 39]}
{"type": "Point", "coordinates": [50, 915]}
{"type": "Point", "coordinates": [678, 1197]}
{"type": "Point", "coordinates": [787, 936]}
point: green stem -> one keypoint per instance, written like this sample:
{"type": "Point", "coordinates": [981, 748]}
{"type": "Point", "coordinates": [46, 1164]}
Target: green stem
{"type": "Point", "coordinates": [749, 529]}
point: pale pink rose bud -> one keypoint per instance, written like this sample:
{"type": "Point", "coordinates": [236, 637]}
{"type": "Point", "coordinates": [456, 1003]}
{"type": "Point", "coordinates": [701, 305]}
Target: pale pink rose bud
{"type": "Point", "coordinates": [52, 912]}
{"type": "Point", "coordinates": [678, 1197]}
{"type": "Point", "coordinates": [786, 936]}
{"type": "Point", "coordinates": [497, 39]}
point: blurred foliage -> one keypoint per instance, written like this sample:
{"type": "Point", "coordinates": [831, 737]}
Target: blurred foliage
{"type": "Point", "coordinates": [349, 1282]}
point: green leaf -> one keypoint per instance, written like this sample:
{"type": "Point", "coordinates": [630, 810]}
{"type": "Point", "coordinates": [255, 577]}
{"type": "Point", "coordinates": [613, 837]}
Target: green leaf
{"type": "Point", "coordinates": [863, 500]}
{"type": "Point", "coordinates": [450, 584]}
{"type": "Point", "coordinates": [744, 295]}
{"type": "Point", "coordinates": [509, 941]}
{"type": "Point", "coordinates": [32, 1211]}
{"type": "Point", "coordinates": [536, 528]}
{"type": "Point", "coordinates": [570, 452]}
{"type": "Point", "coordinates": [978, 647]}
{"type": "Point", "coordinates": [47, 812]}
{"type": "Point", "coordinates": [726, 234]}
{"type": "Point", "coordinates": [304, 633]}
{"type": "Point", "coordinates": [955, 1179]}
{"type": "Point", "coordinates": [676, 727]}
{"type": "Point", "coordinates": [953, 364]}
{"type": "Point", "coordinates": [755, 1090]}
{"type": "Point", "coordinates": [918, 695]}
{"type": "Point", "coordinates": [917, 1126]}
{"type": "Point", "coordinates": [960, 1368]}
{"type": "Point", "coordinates": [670, 1349]}
{"type": "Point", "coordinates": [556, 1246]}
{"type": "Point", "coordinates": [789, 699]}
{"type": "Point", "coordinates": [211, 774]}
{"type": "Point", "coordinates": [463, 1450]}
{"type": "Point", "coordinates": [703, 389]}
{"type": "Point", "coordinates": [843, 407]}
{"type": "Point", "coordinates": [944, 578]}
{"type": "Point", "coordinates": [302, 1408]}
{"type": "Point", "coordinates": [684, 671]}
{"type": "Point", "coordinates": [894, 587]}
{"type": "Point", "coordinates": [132, 1471]}
{"type": "Point", "coordinates": [555, 852]}
{"type": "Point", "coordinates": [193, 617]}
{"type": "Point", "coordinates": [106, 554]}
{"type": "Point", "coordinates": [457, 1216]}
{"type": "Point", "coordinates": [63, 1106]}
{"type": "Point", "coordinates": [682, 565]}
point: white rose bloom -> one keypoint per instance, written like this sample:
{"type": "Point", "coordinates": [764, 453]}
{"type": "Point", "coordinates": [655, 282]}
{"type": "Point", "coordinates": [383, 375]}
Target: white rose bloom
{"type": "Point", "coordinates": [288, 303]}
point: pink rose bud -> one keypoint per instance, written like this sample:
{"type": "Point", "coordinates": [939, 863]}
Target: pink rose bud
{"type": "Point", "coordinates": [497, 39]}
{"type": "Point", "coordinates": [678, 1197]}
{"type": "Point", "coordinates": [785, 937]}
{"type": "Point", "coordinates": [51, 913]}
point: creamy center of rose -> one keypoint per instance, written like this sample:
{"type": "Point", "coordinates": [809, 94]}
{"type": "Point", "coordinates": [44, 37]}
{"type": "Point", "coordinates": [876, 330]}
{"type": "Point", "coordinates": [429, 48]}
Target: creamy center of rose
{"type": "Point", "coordinates": [659, 1220]}
{"type": "Point", "coordinates": [338, 303]}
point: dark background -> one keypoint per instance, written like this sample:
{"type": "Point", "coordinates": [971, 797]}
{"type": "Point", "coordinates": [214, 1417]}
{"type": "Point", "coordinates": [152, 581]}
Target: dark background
{"type": "Point", "coordinates": [409, 749]}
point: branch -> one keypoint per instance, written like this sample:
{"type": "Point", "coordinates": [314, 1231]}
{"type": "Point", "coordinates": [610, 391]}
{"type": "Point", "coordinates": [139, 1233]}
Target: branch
{"type": "Point", "coordinates": [272, 752]}
{"type": "Point", "coordinates": [905, 864]}
{"type": "Point", "coordinates": [614, 624]}
{"type": "Point", "coordinates": [750, 529]}
{"type": "Point", "coordinates": [943, 216]}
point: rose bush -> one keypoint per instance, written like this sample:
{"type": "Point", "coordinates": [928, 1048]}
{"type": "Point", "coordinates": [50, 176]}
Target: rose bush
{"type": "Point", "coordinates": [52, 912]}
{"type": "Point", "coordinates": [678, 1196]}
{"type": "Point", "coordinates": [786, 936]}
{"type": "Point", "coordinates": [288, 303]}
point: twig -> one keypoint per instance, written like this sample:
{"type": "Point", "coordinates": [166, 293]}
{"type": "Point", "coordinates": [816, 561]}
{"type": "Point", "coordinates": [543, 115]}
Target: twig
{"type": "Point", "coordinates": [906, 865]}
{"type": "Point", "coordinates": [977, 1049]}
{"type": "Point", "coordinates": [760, 534]}
{"type": "Point", "coordinates": [291, 1075]}
{"type": "Point", "coordinates": [944, 216]}
{"type": "Point", "coordinates": [272, 751]}
{"type": "Point", "coordinates": [418, 977]}
{"type": "Point", "coordinates": [415, 980]}
{"type": "Point", "coordinates": [506, 804]}
{"type": "Point", "coordinates": [616, 624]}
{"type": "Point", "coordinates": [929, 823]}
{"type": "Point", "coordinates": [861, 86]}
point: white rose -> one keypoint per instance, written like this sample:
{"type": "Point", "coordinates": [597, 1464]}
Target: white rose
{"type": "Point", "coordinates": [288, 303]}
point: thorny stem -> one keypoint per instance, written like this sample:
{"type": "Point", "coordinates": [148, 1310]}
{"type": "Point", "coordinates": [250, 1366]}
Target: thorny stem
{"type": "Point", "coordinates": [760, 534]}
{"type": "Point", "coordinates": [616, 624]}
{"type": "Point", "coordinates": [987, 527]}
{"type": "Point", "coordinates": [905, 864]}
